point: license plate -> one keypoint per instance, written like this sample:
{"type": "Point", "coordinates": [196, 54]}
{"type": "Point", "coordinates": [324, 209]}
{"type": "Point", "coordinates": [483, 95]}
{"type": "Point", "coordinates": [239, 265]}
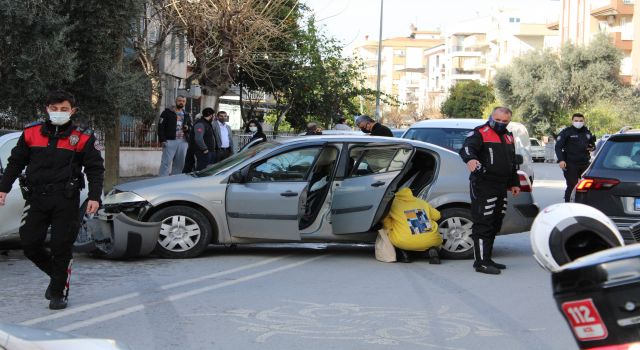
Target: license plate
{"type": "Point", "coordinates": [637, 206]}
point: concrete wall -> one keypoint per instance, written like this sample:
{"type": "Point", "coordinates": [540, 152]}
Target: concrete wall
{"type": "Point", "coordinates": [139, 161]}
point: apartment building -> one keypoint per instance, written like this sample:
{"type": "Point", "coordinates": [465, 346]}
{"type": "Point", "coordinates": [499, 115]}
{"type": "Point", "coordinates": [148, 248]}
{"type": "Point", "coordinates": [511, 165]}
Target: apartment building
{"type": "Point", "coordinates": [402, 64]}
{"type": "Point", "coordinates": [581, 20]}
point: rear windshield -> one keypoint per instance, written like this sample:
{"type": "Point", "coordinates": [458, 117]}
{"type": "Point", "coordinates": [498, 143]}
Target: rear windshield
{"type": "Point", "coordinates": [452, 139]}
{"type": "Point", "coordinates": [620, 154]}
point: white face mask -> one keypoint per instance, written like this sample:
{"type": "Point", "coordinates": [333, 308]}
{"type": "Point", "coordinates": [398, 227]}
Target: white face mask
{"type": "Point", "coordinates": [578, 125]}
{"type": "Point", "coordinates": [59, 118]}
{"type": "Point", "coordinates": [253, 128]}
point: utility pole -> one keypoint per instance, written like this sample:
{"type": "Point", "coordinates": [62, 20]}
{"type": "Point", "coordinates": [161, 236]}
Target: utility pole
{"type": "Point", "coordinates": [379, 63]}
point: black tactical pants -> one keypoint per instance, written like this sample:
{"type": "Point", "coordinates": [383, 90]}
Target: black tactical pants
{"type": "Point", "coordinates": [571, 174]}
{"type": "Point", "coordinates": [61, 213]}
{"type": "Point", "coordinates": [488, 207]}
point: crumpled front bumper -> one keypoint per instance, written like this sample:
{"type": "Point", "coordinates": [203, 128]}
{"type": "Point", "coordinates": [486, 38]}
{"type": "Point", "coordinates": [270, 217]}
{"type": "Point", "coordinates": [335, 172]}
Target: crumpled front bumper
{"type": "Point", "coordinates": [117, 236]}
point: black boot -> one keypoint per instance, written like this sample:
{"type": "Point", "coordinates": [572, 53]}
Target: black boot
{"type": "Point", "coordinates": [490, 255]}
{"type": "Point", "coordinates": [434, 257]}
{"type": "Point", "coordinates": [402, 256]}
{"type": "Point", "coordinates": [481, 250]}
{"type": "Point", "coordinates": [48, 293]}
{"type": "Point", "coordinates": [58, 303]}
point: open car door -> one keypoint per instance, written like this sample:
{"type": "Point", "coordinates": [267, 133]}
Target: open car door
{"type": "Point", "coordinates": [369, 183]}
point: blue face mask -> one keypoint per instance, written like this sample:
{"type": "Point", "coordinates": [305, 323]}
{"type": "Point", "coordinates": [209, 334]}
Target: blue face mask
{"type": "Point", "coordinates": [497, 126]}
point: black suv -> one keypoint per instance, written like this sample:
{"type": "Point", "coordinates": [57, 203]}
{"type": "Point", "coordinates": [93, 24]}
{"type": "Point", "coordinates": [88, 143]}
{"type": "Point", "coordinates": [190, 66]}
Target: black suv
{"type": "Point", "coordinates": [612, 183]}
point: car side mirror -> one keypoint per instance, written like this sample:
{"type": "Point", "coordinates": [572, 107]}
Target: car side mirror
{"type": "Point", "coordinates": [237, 178]}
{"type": "Point", "coordinates": [519, 159]}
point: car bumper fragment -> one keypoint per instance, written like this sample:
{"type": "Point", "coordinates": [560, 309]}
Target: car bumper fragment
{"type": "Point", "coordinates": [118, 236]}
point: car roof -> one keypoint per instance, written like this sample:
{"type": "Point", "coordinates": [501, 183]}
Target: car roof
{"type": "Point", "coordinates": [9, 135]}
{"type": "Point", "coordinates": [449, 123]}
{"type": "Point", "coordinates": [614, 137]}
{"type": "Point", "coordinates": [358, 138]}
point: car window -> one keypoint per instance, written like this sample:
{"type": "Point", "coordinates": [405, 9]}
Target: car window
{"type": "Point", "coordinates": [377, 161]}
{"type": "Point", "coordinates": [5, 150]}
{"type": "Point", "coordinates": [236, 159]}
{"type": "Point", "coordinates": [534, 142]}
{"type": "Point", "coordinates": [450, 138]}
{"type": "Point", "coordinates": [285, 167]}
{"type": "Point", "coordinates": [619, 154]}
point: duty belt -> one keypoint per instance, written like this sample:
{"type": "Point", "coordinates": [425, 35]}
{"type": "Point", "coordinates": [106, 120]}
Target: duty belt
{"type": "Point", "coordinates": [48, 188]}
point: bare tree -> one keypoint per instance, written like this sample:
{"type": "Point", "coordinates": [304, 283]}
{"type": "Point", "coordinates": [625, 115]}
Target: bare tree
{"type": "Point", "coordinates": [225, 35]}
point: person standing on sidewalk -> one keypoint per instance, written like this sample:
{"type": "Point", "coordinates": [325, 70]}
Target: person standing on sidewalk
{"type": "Point", "coordinates": [202, 143]}
{"type": "Point", "coordinates": [573, 148]}
{"type": "Point", "coordinates": [173, 131]}
{"type": "Point", "coordinates": [54, 153]}
{"type": "Point", "coordinates": [490, 154]}
{"type": "Point", "coordinates": [223, 135]}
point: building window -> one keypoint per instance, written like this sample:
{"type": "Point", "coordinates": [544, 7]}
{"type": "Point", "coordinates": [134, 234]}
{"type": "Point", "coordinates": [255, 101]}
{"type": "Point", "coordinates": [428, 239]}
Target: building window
{"type": "Point", "coordinates": [628, 2]}
{"type": "Point", "coordinates": [173, 46]}
{"type": "Point", "coordinates": [626, 25]}
{"type": "Point", "coordinates": [514, 19]}
{"type": "Point", "coordinates": [399, 53]}
{"type": "Point", "coordinates": [182, 50]}
{"type": "Point", "coordinates": [437, 60]}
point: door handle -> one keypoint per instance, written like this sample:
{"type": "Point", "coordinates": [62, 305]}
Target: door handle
{"type": "Point", "coordinates": [378, 184]}
{"type": "Point", "coordinates": [288, 194]}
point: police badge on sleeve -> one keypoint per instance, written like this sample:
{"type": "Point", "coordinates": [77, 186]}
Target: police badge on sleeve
{"type": "Point", "coordinates": [74, 139]}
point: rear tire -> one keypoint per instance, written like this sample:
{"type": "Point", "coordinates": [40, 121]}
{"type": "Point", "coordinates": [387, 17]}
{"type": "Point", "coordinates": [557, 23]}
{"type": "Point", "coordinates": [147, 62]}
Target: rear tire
{"type": "Point", "coordinates": [185, 232]}
{"type": "Point", "coordinates": [455, 228]}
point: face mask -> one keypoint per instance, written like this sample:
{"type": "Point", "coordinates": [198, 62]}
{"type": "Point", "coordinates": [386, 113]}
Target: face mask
{"type": "Point", "coordinates": [578, 125]}
{"type": "Point", "coordinates": [59, 118]}
{"type": "Point", "coordinates": [498, 127]}
{"type": "Point", "coordinates": [253, 128]}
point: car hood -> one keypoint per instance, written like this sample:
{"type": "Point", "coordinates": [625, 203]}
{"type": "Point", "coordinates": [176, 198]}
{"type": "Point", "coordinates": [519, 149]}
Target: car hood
{"type": "Point", "coordinates": [143, 185]}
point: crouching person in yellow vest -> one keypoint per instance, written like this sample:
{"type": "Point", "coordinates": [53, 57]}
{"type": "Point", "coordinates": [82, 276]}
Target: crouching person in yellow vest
{"type": "Point", "coordinates": [412, 226]}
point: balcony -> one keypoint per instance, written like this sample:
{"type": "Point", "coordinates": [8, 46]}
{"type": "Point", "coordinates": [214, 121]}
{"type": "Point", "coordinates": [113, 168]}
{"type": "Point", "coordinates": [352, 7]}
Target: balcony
{"type": "Point", "coordinates": [613, 8]}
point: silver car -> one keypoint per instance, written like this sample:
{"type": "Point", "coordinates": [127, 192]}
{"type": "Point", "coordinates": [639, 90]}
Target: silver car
{"type": "Point", "coordinates": [11, 212]}
{"type": "Point", "coordinates": [309, 189]}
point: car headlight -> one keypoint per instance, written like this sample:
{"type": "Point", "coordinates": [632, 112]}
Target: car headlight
{"type": "Point", "coordinates": [121, 198]}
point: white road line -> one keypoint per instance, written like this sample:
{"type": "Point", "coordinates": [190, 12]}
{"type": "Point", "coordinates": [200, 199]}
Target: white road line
{"type": "Point", "coordinates": [87, 307]}
{"type": "Point", "coordinates": [105, 317]}
{"type": "Point", "coordinates": [222, 273]}
{"type": "Point", "coordinates": [82, 308]}
{"type": "Point", "coordinates": [240, 280]}
{"type": "Point", "coordinates": [135, 308]}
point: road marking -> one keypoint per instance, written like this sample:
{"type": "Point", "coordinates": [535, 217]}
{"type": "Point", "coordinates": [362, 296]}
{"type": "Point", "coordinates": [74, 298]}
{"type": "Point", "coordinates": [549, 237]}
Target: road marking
{"type": "Point", "coordinates": [105, 317]}
{"type": "Point", "coordinates": [549, 183]}
{"type": "Point", "coordinates": [175, 297]}
{"type": "Point", "coordinates": [240, 280]}
{"type": "Point", "coordinates": [79, 309]}
{"type": "Point", "coordinates": [222, 273]}
{"type": "Point", "coordinates": [87, 307]}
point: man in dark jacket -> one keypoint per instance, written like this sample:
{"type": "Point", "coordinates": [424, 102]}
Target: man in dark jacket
{"type": "Point", "coordinates": [202, 142]}
{"type": "Point", "coordinates": [54, 153]}
{"type": "Point", "coordinates": [490, 155]}
{"type": "Point", "coordinates": [173, 131]}
{"type": "Point", "coordinates": [572, 150]}
{"type": "Point", "coordinates": [369, 126]}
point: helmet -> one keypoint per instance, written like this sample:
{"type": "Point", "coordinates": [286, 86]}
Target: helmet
{"type": "Point", "coordinates": [564, 232]}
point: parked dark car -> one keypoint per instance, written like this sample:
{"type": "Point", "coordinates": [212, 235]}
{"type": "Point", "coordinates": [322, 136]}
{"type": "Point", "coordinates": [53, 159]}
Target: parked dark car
{"type": "Point", "coordinates": [612, 182]}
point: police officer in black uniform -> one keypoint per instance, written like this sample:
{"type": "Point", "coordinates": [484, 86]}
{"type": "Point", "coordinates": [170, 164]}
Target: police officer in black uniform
{"type": "Point", "coordinates": [572, 150]}
{"type": "Point", "coordinates": [490, 154]}
{"type": "Point", "coordinates": [202, 142]}
{"type": "Point", "coordinates": [54, 153]}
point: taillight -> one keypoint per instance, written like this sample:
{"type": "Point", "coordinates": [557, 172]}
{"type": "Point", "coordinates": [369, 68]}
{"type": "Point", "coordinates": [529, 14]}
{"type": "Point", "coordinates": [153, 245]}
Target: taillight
{"type": "Point", "coordinates": [587, 184]}
{"type": "Point", "coordinates": [630, 346]}
{"type": "Point", "coordinates": [525, 185]}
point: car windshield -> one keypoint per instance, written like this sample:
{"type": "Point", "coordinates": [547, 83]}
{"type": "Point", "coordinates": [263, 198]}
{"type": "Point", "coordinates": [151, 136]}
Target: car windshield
{"type": "Point", "coordinates": [235, 159]}
{"type": "Point", "coordinates": [534, 142]}
{"type": "Point", "coordinates": [620, 154]}
{"type": "Point", "coordinates": [449, 138]}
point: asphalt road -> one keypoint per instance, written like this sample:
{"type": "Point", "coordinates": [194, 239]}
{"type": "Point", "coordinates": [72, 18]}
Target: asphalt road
{"type": "Point", "coordinates": [309, 296]}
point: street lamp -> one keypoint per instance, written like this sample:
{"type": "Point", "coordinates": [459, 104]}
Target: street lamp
{"type": "Point", "coordinates": [379, 63]}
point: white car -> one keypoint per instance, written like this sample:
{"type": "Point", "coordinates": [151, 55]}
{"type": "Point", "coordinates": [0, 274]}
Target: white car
{"type": "Point", "coordinates": [11, 212]}
{"type": "Point", "coordinates": [538, 150]}
{"type": "Point", "coordinates": [451, 133]}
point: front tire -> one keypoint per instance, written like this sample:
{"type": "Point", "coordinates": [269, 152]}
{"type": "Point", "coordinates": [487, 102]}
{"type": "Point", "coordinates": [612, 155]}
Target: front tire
{"type": "Point", "coordinates": [185, 232]}
{"type": "Point", "coordinates": [455, 228]}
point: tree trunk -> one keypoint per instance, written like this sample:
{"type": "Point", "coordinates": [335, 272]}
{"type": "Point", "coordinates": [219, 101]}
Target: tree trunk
{"type": "Point", "coordinates": [112, 154]}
